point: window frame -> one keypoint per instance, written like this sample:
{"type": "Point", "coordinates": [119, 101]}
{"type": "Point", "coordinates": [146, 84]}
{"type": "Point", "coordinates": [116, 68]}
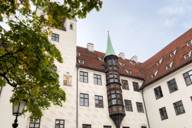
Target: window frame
{"type": "Point", "coordinates": [60, 124]}
{"type": "Point", "coordinates": [128, 105]}
{"type": "Point", "coordinates": [158, 92]}
{"type": "Point", "coordinates": [55, 37]}
{"type": "Point", "coordinates": [163, 113]}
{"type": "Point", "coordinates": [135, 86]}
{"type": "Point", "coordinates": [125, 84]}
{"type": "Point", "coordinates": [188, 77]}
{"type": "Point", "coordinates": [97, 99]}
{"type": "Point", "coordinates": [83, 100]}
{"type": "Point", "coordinates": [97, 79]}
{"type": "Point", "coordinates": [140, 107]}
{"type": "Point", "coordinates": [34, 123]}
{"type": "Point", "coordinates": [172, 85]}
{"type": "Point", "coordinates": [83, 77]}
{"type": "Point", "coordinates": [179, 107]}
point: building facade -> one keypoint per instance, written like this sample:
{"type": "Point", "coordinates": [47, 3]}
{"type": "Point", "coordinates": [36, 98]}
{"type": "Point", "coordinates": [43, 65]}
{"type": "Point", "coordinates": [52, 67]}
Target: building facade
{"type": "Point", "coordinates": [104, 90]}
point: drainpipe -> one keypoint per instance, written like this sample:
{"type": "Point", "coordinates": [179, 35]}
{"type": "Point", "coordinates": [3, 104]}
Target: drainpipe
{"type": "Point", "coordinates": [77, 91]}
{"type": "Point", "coordinates": [145, 109]}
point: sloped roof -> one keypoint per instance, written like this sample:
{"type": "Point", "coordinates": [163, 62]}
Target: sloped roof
{"type": "Point", "coordinates": [166, 61]}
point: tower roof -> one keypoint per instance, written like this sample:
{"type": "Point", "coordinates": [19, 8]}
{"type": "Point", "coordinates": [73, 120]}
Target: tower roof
{"type": "Point", "coordinates": [110, 50]}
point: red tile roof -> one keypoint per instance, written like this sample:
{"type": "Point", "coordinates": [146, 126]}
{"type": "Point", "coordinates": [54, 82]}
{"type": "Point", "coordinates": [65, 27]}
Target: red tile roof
{"type": "Point", "coordinates": [161, 64]}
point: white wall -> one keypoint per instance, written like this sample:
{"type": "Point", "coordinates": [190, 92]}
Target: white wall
{"type": "Point", "coordinates": [98, 117]}
{"type": "Point", "coordinates": [183, 93]}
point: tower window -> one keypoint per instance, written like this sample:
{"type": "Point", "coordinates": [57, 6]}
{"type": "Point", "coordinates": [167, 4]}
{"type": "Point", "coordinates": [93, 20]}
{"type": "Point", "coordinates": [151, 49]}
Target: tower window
{"type": "Point", "coordinates": [136, 86]}
{"type": "Point", "coordinates": [125, 84]}
{"type": "Point", "coordinates": [84, 99]}
{"type": "Point", "coordinates": [140, 107]}
{"type": "Point", "coordinates": [83, 77]}
{"type": "Point", "coordinates": [158, 92]}
{"type": "Point", "coordinates": [34, 123]}
{"type": "Point", "coordinates": [128, 105]}
{"type": "Point", "coordinates": [55, 37]}
{"type": "Point", "coordinates": [172, 85]}
{"type": "Point", "coordinates": [179, 108]}
{"type": "Point", "coordinates": [163, 113]}
{"type": "Point", "coordinates": [59, 123]}
{"type": "Point", "coordinates": [188, 77]}
{"type": "Point", "coordinates": [98, 101]}
{"type": "Point", "coordinates": [97, 79]}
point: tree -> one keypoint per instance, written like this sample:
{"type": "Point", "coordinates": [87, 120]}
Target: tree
{"type": "Point", "coordinates": [26, 55]}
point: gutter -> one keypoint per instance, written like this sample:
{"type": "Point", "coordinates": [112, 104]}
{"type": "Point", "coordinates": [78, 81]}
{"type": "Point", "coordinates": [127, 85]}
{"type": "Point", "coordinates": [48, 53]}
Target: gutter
{"type": "Point", "coordinates": [145, 109]}
{"type": "Point", "coordinates": [77, 92]}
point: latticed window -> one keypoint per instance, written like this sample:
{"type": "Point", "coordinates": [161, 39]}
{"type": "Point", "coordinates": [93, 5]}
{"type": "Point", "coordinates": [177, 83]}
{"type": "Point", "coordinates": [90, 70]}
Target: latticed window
{"type": "Point", "coordinates": [158, 92]}
{"type": "Point", "coordinates": [97, 79]}
{"type": "Point", "coordinates": [135, 86]}
{"type": "Point", "coordinates": [188, 77]}
{"type": "Point", "coordinates": [163, 113]}
{"type": "Point", "coordinates": [34, 123]}
{"type": "Point", "coordinates": [55, 37]}
{"type": "Point", "coordinates": [83, 76]}
{"type": "Point", "coordinates": [86, 126]}
{"type": "Point", "coordinates": [139, 107]}
{"type": "Point", "coordinates": [172, 85]}
{"type": "Point", "coordinates": [128, 105]}
{"type": "Point", "coordinates": [125, 84]}
{"type": "Point", "coordinates": [179, 108]}
{"type": "Point", "coordinates": [59, 123]}
{"type": "Point", "coordinates": [84, 99]}
{"type": "Point", "coordinates": [98, 101]}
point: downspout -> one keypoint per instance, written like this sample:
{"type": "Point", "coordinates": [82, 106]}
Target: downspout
{"type": "Point", "coordinates": [77, 91]}
{"type": "Point", "coordinates": [145, 109]}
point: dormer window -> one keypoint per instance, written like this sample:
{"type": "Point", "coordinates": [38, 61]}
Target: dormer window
{"type": "Point", "coordinates": [154, 74]}
{"type": "Point", "coordinates": [188, 55]}
{"type": "Point", "coordinates": [189, 43]}
{"type": "Point", "coordinates": [99, 58]}
{"type": "Point", "coordinates": [129, 72]}
{"type": "Point", "coordinates": [170, 65]}
{"type": "Point", "coordinates": [80, 61]}
{"type": "Point", "coordinates": [159, 62]}
{"type": "Point", "coordinates": [173, 53]}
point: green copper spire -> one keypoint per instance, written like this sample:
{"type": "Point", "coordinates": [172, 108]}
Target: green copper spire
{"type": "Point", "coordinates": [110, 50]}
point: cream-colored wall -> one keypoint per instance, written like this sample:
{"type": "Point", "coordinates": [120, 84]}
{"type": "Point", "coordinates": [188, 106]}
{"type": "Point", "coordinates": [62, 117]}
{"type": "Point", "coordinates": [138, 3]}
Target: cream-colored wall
{"type": "Point", "coordinates": [183, 93]}
{"type": "Point", "coordinates": [98, 117]}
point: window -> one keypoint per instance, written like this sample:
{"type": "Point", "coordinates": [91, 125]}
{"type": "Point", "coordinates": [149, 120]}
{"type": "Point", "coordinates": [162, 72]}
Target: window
{"type": "Point", "coordinates": [163, 113]}
{"type": "Point", "coordinates": [188, 77]}
{"type": "Point", "coordinates": [191, 98]}
{"type": "Point", "coordinates": [98, 101]}
{"type": "Point", "coordinates": [158, 92]}
{"type": "Point", "coordinates": [136, 86]}
{"type": "Point", "coordinates": [128, 105]}
{"type": "Point", "coordinates": [106, 126]}
{"type": "Point", "coordinates": [125, 127]}
{"type": "Point", "coordinates": [143, 127]}
{"type": "Point", "coordinates": [1, 88]}
{"type": "Point", "coordinates": [97, 79]}
{"type": "Point", "coordinates": [55, 37]}
{"type": "Point", "coordinates": [172, 85]}
{"type": "Point", "coordinates": [84, 99]}
{"type": "Point", "coordinates": [67, 79]}
{"type": "Point", "coordinates": [125, 84]}
{"type": "Point", "coordinates": [86, 126]}
{"type": "Point", "coordinates": [139, 107]}
{"type": "Point", "coordinates": [179, 108]}
{"type": "Point", "coordinates": [71, 26]}
{"type": "Point", "coordinates": [34, 123]}
{"type": "Point", "coordinates": [83, 77]}
{"type": "Point", "coordinates": [59, 123]}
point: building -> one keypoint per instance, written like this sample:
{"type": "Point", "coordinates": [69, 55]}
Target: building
{"type": "Point", "coordinates": [108, 91]}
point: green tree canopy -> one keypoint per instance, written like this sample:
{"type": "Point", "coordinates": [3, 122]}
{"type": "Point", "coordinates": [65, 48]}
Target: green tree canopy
{"type": "Point", "coordinates": [26, 55]}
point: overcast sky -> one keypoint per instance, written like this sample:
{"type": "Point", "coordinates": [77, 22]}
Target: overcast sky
{"type": "Point", "coordinates": [137, 27]}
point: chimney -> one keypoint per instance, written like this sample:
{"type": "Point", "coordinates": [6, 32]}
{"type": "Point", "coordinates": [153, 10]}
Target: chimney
{"type": "Point", "coordinates": [122, 55]}
{"type": "Point", "coordinates": [90, 47]}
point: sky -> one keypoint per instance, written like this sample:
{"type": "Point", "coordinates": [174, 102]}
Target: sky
{"type": "Point", "coordinates": [137, 27]}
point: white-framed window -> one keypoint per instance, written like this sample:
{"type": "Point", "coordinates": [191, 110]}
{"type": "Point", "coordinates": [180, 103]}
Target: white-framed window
{"type": "Point", "coordinates": [55, 37]}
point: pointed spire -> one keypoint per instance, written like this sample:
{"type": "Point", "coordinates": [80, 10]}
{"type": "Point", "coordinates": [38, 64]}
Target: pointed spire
{"type": "Point", "coordinates": [110, 50]}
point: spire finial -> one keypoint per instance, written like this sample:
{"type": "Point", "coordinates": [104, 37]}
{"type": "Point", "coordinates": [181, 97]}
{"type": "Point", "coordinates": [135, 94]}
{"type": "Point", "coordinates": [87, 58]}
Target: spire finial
{"type": "Point", "coordinates": [110, 50]}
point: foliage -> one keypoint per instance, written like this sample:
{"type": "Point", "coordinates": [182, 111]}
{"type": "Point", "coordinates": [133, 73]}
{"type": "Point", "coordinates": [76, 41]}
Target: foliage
{"type": "Point", "coordinates": [26, 55]}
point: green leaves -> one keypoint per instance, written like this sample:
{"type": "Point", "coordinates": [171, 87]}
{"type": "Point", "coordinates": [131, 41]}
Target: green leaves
{"type": "Point", "coordinates": [26, 55]}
